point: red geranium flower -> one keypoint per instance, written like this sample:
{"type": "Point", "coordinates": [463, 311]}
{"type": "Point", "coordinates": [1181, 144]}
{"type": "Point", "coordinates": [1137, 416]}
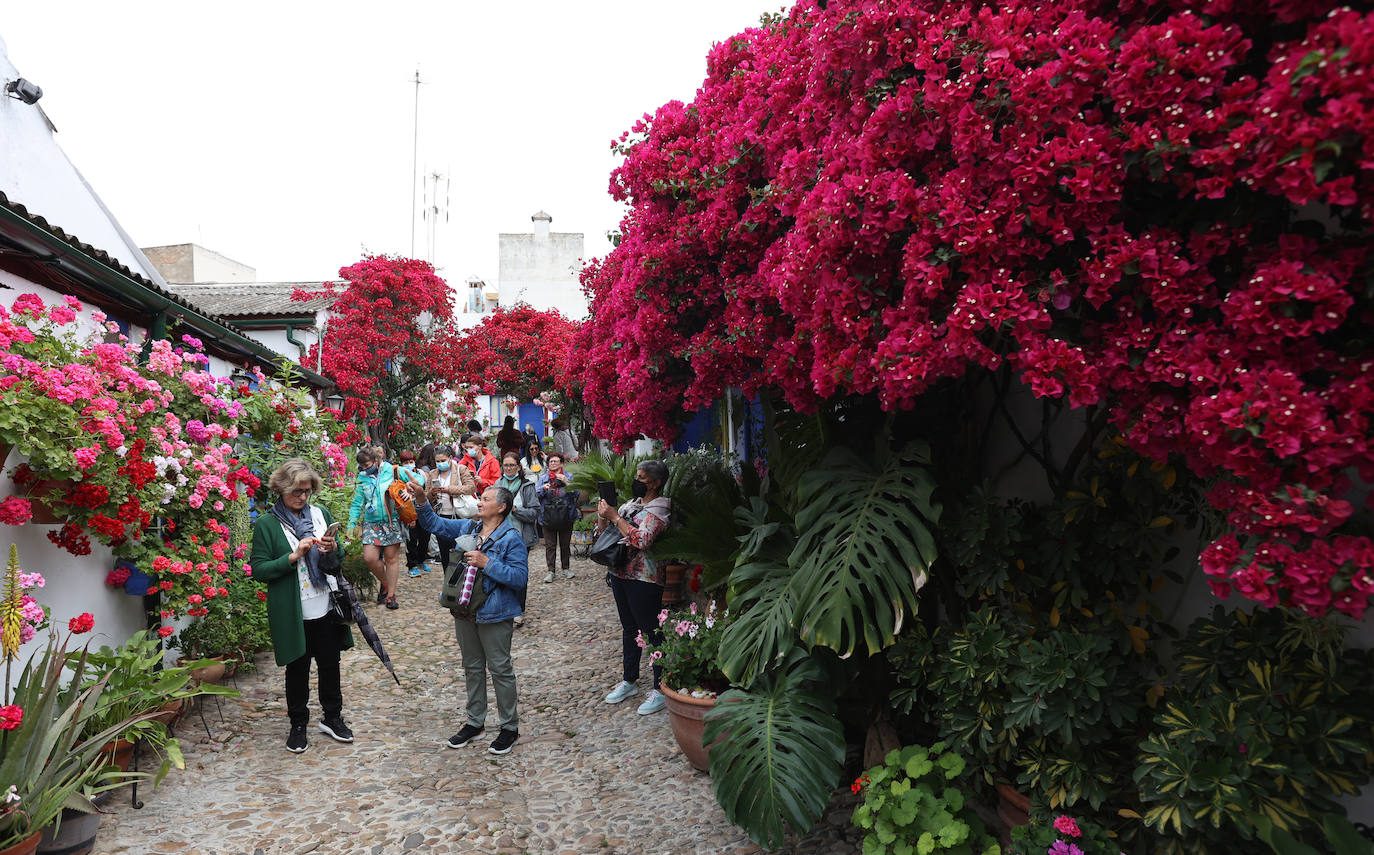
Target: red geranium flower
{"type": "Point", "coordinates": [82, 623]}
{"type": "Point", "coordinates": [11, 717]}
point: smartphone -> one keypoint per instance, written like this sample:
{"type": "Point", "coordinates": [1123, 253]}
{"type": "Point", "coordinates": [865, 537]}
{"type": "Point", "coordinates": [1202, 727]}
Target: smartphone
{"type": "Point", "coordinates": [332, 530]}
{"type": "Point", "coordinates": [606, 489]}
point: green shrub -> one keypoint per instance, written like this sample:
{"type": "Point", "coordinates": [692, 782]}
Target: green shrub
{"type": "Point", "coordinates": [910, 807]}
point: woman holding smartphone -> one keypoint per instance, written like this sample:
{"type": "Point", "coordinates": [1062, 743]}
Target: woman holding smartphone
{"type": "Point", "coordinates": [288, 541]}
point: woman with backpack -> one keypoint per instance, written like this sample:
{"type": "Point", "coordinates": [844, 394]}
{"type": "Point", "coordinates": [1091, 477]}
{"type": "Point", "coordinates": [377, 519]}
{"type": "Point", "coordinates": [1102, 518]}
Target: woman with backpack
{"type": "Point", "coordinates": [381, 532]}
{"type": "Point", "coordinates": [485, 637]}
{"type": "Point", "coordinates": [558, 510]}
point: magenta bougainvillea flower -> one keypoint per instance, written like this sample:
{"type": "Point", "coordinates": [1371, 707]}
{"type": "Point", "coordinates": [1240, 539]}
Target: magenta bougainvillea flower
{"type": "Point", "coordinates": [1158, 207]}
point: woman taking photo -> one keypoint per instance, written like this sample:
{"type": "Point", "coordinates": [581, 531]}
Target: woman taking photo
{"type": "Point", "coordinates": [381, 526]}
{"type": "Point", "coordinates": [288, 541]}
{"type": "Point", "coordinates": [637, 584]}
{"type": "Point", "coordinates": [485, 640]}
{"type": "Point", "coordinates": [550, 487]}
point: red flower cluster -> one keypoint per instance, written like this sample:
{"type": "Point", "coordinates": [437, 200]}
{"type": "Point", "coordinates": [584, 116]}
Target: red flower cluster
{"type": "Point", "coordinates": [15, 511]}
{"type": "Point", "coordinates": [11, 716]}
{"type": "Point", "coordinates": [85, 495]}
{"type": "Point", "coordinates": [374, 326]}
{"type": "Point", "coordinates": [117, 577]}
{"type": "Point", "coordinates": [518, 351]}
{"type": "Point", "coordinates": [72, 538]}
{"type": "Point", "coordinates": [867, 200]}
{"type": "Point", "coordinates": [82, 623]}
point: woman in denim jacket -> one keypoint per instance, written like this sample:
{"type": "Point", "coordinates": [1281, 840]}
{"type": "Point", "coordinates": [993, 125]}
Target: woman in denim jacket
{"type": "Point", "coordinates": [485, 641]}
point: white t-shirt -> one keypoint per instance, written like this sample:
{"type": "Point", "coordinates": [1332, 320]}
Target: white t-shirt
{"type": "Point", "coordinates": [314, 600]}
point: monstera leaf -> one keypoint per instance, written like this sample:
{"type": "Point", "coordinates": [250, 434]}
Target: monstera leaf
{"type": "Point", "coordinates": [761, 594]}
{"type": "Point", "coordinates": [776, 751]}
{"type": "Point", "coordinates": [864, 547]}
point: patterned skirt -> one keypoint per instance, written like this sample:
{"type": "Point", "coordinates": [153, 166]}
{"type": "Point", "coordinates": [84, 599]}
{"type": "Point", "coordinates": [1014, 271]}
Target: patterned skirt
{"type": "Point", "coordinates": [383, 533]}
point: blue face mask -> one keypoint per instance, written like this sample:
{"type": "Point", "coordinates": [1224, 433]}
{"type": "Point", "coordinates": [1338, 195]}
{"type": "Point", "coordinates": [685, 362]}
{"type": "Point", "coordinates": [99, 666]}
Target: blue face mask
{"type": "Point", "coordinates": [442, 467]}
{"type": "Point", "coordinates": [475, 453]}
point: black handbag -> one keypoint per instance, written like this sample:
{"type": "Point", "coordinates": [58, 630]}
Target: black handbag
{"type": "Point", "coordinates": [609, 550]}
{"type": "Point", "coordinates": [340, 609]}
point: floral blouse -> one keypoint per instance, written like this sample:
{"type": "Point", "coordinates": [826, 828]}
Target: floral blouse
{"type": "Point", "coordinates": [647, 522]}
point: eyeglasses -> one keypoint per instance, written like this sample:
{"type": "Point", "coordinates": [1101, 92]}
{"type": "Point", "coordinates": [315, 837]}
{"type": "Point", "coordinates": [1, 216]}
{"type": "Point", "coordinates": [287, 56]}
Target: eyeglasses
{"type": "Point", "coordinates": [299, 494]}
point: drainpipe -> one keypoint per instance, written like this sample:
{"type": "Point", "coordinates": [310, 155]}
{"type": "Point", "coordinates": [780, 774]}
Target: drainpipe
{"type": "Point", "coordinates": [291, 338]}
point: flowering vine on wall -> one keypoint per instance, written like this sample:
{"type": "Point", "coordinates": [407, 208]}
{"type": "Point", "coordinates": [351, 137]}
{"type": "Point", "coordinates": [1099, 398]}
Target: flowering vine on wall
{"type": "Point", "coordinates": [137, 449]}
{"type": "Point", "coordinates": [1162, 207]}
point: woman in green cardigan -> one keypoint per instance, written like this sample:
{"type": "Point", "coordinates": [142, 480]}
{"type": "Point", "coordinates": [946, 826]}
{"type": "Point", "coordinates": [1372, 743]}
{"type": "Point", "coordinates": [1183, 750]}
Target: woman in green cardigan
{"type": "Point", "coordinates": [288, 539]}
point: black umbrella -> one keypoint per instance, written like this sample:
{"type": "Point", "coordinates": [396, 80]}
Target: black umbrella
{"type": "Point", "coordinates": [365, 626]}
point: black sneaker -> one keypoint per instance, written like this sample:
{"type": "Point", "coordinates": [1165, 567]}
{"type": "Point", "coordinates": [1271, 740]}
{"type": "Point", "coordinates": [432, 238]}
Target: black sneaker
{"type": "Point", "coordinates": [336, 728]}
{"type": "Point", "coordinates": [391, 602]}
{"type": "Point", "coordinates": [464, 736]}
{"type": "Point", "coordinates": [504, 741]}
{"type": "Point", "coordinates": [296, 742]}
{"type": "Point", "coordinates": [381, 594]}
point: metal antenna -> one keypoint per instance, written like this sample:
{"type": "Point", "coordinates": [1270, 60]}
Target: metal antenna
{"type": "Point", "coordinates": [433, 208]}
{"type": "Point", "coordinates": [414, 161]}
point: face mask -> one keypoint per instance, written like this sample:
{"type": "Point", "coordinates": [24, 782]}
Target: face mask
{"type": "Point", "coordinates": [371, 470]}
{"type": "Point", "coordinates": [639, 489]}
{"type": "Point", "coordinates": [442, 467]}
{"type": "Point", "coordinates": [475, 453]}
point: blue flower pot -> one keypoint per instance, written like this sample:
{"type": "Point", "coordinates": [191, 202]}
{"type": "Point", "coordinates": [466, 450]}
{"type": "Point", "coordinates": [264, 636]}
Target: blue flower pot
{"type": "Point", "coordinates": [138, 582]}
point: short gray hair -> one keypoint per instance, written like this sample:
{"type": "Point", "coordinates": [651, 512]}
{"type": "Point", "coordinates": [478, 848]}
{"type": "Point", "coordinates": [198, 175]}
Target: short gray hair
{"type": "Point", "coordinates": [502, 496]}
{"type": "Point", "coordinates": [291, 472]}
{"type": "Point", "coordinates": [655, 469]}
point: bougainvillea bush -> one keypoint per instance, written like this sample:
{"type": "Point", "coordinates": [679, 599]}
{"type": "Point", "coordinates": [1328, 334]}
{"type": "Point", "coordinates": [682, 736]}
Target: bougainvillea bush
{"type": "Point", "coordinates": [387, 327]}
{"type": "Point", "coordinates": [1161, 207]}
{"type": "Point", "coordinates": [519, 351]}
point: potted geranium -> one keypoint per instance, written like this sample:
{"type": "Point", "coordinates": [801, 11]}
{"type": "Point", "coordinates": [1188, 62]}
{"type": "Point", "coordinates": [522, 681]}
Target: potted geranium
{"type": "Point", "coordinates": [692, 679]}
{"type": "Point", "coordinates": [43, 759]}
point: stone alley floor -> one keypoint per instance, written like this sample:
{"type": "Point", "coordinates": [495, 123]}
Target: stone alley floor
{"type": "Point", "coordinates": [585, 777]}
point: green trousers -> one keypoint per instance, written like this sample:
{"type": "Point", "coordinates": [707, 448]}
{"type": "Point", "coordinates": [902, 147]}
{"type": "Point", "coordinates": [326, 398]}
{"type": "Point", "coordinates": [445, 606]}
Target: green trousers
{"type": "Point", "coordinates": [486, 646]}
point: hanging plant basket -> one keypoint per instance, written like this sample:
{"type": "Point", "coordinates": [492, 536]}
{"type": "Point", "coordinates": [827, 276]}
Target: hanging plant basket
{"type": "Point", "coordinates": [42, 514]}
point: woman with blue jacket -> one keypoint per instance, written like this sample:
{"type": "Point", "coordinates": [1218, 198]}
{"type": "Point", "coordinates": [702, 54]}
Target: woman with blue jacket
{"type": "Point", "coordinates": [485, 642]}
{"type": "Point", "coordinates": [381, 532]}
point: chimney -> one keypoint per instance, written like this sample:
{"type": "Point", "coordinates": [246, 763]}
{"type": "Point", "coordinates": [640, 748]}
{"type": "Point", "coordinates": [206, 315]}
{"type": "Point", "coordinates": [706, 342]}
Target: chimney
{"type": "Point", "coordinates": [541, 222]}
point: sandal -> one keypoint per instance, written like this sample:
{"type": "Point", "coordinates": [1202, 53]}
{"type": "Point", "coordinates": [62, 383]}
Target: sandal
{"type": "Point", "coordinates": [391, 602]}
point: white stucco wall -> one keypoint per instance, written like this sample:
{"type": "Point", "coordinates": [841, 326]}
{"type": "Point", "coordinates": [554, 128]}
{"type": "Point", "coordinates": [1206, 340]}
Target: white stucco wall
{"type": "Point", "coordinates": [541, 270]}
{"type": "Point", "coordinates": [75, 584]}
{"type": "Point", "coordinates": [276, 340]}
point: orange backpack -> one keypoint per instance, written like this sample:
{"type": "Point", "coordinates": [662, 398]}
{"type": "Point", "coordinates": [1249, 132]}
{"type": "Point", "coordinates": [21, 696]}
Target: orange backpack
{"type": "Point", "coordinates": [405, 506]}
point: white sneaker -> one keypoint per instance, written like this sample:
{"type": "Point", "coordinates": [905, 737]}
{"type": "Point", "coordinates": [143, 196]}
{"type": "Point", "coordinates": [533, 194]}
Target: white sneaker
{"type": "Point", "coordinates": [568, 574]}
{"type": "Point", "coordinates": [622, 691]}
{"type": "Point", "coordinates": [548, 579]}
{"type": "Point", "coordinates": [653, 702]}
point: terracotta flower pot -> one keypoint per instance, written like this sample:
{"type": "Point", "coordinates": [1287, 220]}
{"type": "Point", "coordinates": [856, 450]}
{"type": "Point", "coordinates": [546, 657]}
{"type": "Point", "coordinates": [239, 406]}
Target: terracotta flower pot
{"type": "Point", "coordinates": [170, 712]}
{"type": "Point", "coordinates": [119, 753]}
{"type": "Point", "coordinates": [41, 514]}
{"type": "Point", "coordinates": [76, 836]}
{"type": "Point", "coordinates": [673, 575]}
{"type": "Point", "coordinates": [212, 673]}
{"type": "Point", "coordinates": [686, 715]}
{"type": "Point", "coordinates": [23, 847]}
{"type": "Point", "coordinates": [1013, 809]}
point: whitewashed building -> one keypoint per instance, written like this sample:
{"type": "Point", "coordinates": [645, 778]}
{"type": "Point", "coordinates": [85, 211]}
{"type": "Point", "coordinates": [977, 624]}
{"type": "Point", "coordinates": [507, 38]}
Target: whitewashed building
{"type": "Point", "coordinates": [541, 267]}
{"type": "Point", "coordinates": [57, 238]}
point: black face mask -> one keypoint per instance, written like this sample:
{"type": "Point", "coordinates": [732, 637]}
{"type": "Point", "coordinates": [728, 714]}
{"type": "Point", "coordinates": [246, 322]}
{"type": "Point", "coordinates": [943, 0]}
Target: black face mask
{"type": "Point", "coordinates": [371, 470]}
{"type": "Point", "coordinates": [639, 489]}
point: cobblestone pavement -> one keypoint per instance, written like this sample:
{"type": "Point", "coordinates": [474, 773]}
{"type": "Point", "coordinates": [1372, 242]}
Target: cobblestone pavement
{"type": "Point", "coordinates": [585, 777]}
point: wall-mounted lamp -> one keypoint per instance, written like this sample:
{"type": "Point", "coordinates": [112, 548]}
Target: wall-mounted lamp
{"type": "Point", "coordinates": [334, 401]}
{"type": "Point", "coordinates": [24, 90]}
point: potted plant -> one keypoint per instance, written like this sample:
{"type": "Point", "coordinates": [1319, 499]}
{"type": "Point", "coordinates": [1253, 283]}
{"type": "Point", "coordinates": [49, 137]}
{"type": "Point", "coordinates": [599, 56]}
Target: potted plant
{"type": "Point", "coordinates": [44, 760]}
{"type": "Point", "coordinates": [692, 679]}
{"type": "Point", "coordinates": [229, 634]}
{"type": "Point", "coordinates": [909, 805]}
{"type": "Point", "coordinates": [1061, 834]}
{"type": "Point", "coordinates": [136, 683]}
{"type": "Point", "coordinates": [583, 531]}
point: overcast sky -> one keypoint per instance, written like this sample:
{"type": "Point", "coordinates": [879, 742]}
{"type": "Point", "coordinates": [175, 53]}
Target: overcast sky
{"type": "Point", "coordinates": [280, 134]}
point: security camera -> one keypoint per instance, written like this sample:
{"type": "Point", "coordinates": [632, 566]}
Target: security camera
{"type": "Point", "coordinates": [24, 90]}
